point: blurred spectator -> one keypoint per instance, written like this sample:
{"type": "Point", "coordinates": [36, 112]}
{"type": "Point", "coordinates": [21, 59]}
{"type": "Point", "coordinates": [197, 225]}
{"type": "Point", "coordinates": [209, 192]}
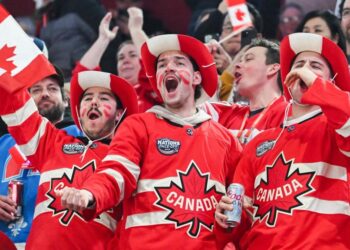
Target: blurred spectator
{"type": "Point", "coordinates": [344, 10]}
{"type": "Point", "coordinates": [208, 25]}
{"type": "Point", "coordinates": [27, 24]}
{"type": "Point", "coordinates": [323, 23]}
{"type": "Point", "coordinates": [151, 26]}
{"type": "Point", "coordinates": [289, 19]}
{"type": "Point", "coordinates": [197, 7]}
{"type": "Point", "coordinates": [67, 39]}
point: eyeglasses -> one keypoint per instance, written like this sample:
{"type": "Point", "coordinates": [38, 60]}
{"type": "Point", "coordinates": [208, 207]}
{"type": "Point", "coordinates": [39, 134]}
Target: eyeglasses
{"type": "Point", "coordinates": [289, 19]}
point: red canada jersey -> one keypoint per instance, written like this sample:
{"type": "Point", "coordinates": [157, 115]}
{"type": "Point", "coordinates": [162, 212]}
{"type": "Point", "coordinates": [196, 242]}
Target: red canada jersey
{"type": "Point", "coordinates": [170, 176]}
{"type": "Point", "coordinates": [297, 188]}
{"type": "Point", "coordinates": [245, 124]}
{"type": "Point", "coordinates": [58, 157]}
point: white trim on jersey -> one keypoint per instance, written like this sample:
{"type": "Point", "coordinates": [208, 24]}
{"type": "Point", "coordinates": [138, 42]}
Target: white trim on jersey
{"type": "Point", "coordinates": [47, 176]}
{"type": "Point", "coordinates": [324, 206]}
{"type": "Point", "coordinates": [147, 219]}
{"type": "Point", "coordinates": [344, 130]}
{"type": "Point", "coordinates": [320, 168]}
{"type": "Point", "coordinates": [119, 180]}
{"type": "Point", "coordinates": [31, 146]}
{"type": "Point", "coordinates": [20, 115]}
{"type": "Point", "coordinates": [148, 185]}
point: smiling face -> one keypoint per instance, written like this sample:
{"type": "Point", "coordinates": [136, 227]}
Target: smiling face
{"type": "Point", "coordinates": [176, 79]}
{"type": "Point", "coordinates": [48, 98]}
{"type": "Point", "coordinates": [98, 112]}
{"type": "Point", "coordinates": [316, 63]}
{"type": "Point", "coordinates": [128, 63]}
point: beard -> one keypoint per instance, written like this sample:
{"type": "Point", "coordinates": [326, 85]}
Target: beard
{"type": "Point", "coordinates": [53, 114]}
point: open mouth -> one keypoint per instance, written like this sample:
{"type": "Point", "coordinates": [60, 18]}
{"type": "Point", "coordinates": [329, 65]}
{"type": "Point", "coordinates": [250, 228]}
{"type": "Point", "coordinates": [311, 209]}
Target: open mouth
{"type": "Point", "coordinates": [303, 86]}
{"type": "Point", "coordinates": [238, 76]}
{"type": "Point", "coordinates": [171, 83]}
{"type": "Point", "coordinates": [94, 114]}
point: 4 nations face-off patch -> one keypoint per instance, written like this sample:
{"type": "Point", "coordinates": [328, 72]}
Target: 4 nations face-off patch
{"type": "Point", "coordinates": [168, 146]}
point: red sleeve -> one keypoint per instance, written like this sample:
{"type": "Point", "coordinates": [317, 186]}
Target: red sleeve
{"type": "Point", "coordinates": [116, 179]}
{"type": "Point", "coordinates": [335, 104]}
{"type": "Point", "coordinates": [30, 130]}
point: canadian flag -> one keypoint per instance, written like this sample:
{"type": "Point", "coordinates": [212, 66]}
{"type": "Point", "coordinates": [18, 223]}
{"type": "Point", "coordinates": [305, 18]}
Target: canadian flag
{"type": "Point", "coordinates": [239, 14]}
{"type": "Point", "coordinates": [19, 57]}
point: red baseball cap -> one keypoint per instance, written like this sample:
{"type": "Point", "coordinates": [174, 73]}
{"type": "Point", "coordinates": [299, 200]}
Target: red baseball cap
{"type": "Point", "coordinates": [87, 79]}
{"type": "Point", "coordinates": [195, 49]}
{"type": "Point", "coordinates": [296, 43]}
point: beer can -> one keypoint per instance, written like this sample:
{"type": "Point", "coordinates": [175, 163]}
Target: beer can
{"type": "Point", "coordinates": [15, 193]}
{"type": "Point", "coordinates": [236, 192]}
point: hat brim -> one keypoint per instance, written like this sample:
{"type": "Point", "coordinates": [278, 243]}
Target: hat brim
{"type": "Point", "coordinates": [87, 79]}
{"type": "Point", "coordinates": [192, 47]}
{"type": "Point", "coordinates": [296, 43]}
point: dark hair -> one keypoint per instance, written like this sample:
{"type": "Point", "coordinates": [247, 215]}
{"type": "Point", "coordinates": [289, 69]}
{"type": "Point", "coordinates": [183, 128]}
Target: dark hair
{"type": "Point", "coordinates": [272, 53]}
{"type": "Point", "coordinates": [258, 21]}
{"type": "Point", "coordinates": [341, 7]}
{"type": "Point", "coordinates": [198, 88]}
{"type": "Point", "coordinates": [126, 42]}
{"type": "Point", "coordinates": [291, 5]}
{"type": "Point", "coordinates": [332, 22]}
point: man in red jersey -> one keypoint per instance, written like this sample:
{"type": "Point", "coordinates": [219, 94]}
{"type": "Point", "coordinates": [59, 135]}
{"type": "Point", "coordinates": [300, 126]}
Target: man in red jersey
{"type": "Point", "coordinates": [169, 165]}
{"type": "Point", "coordinates": [257, 80]}
{"type": "Point", "coordinates": [296, 177]}
{"type": "Point", "coordinates": [98, 102]}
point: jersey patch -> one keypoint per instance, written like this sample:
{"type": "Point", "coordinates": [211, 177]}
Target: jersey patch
{"type": "Point", "coordinates": [280, 190]}
{"type": "Point", "coordinates": [78, 173]}
{"type": "Point", "coordinates": [264, 147]}
{"type": "Point", "coordinates": [192, 203]}
{"type": "Point", "coordinates": [75, 148]}
{"type": "Point", "coordinates": [168, 146]}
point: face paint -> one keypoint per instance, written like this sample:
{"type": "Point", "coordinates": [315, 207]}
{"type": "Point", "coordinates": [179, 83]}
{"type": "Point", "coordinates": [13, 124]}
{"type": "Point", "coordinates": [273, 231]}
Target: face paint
{"type": "Point", "coordinates": [184, 76]}
{"type": "Point", "coordinates": [83, 111]}
{"type": "Point", "coordinates": [106, 109]}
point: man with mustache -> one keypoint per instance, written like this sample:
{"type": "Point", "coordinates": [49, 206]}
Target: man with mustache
{"type": "Point", "coordinates": [296, 177]}
{"type": "Point", "coordinates": [50, 98]}
{"type": "Point", "coordinates": [98, 103]}
{"type": "Point", "coordinates": [170, 164]}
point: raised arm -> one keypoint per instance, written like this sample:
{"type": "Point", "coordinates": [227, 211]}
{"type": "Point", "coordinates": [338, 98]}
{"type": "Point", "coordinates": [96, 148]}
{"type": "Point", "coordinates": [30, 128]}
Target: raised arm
{"type": "Point", "coordinates": [91, 59]}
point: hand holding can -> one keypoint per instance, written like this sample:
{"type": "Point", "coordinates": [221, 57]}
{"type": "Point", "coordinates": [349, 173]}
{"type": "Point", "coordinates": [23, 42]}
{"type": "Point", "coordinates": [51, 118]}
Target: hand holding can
{"type": "Point", "coordinates": [15, 193]}
{"type": "Point", "coordinates": [235, 192]}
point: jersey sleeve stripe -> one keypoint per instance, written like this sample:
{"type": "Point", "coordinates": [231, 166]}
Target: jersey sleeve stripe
{"type": "Point", "coordinates": [32, 145]}
{"type": "Point", "coordinates": [20, 115]}
{"type": "Point", "coordinates": [119, 180]}
{"type": "Point", "coordinates": [129, 165]}
{"type": "Point", "coordinates": [345, 129]}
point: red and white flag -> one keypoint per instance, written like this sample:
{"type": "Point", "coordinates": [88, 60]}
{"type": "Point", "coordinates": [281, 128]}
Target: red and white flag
{"type": "Point", "coordinates": [239, 14]}
{"type": "Point", "coordinates": [19, 57]}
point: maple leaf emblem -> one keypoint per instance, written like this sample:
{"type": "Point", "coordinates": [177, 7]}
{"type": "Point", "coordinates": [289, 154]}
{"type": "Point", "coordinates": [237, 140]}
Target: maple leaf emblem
{"type": "Point", "coordinates": [191, 203]}
{"type": "Point", "coordinates": [77, 178]}
{"type": "Point", "coordinates": [6, 53]}
{"type": "Point", "coordinates": [239, 15]}
{"type": "Point", "coordinates": [280, 192]}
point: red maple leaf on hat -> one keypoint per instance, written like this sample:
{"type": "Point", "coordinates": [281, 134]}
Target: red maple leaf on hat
{"type": "Point", "coordinates": [192, 203]}
{"type": "Point", "coordinates": [76, 179]}
{"type": "Point", "coordinates": [6, 53]}
{"type": "Point", "coordinates": [281, 190]}
{"type": "Point", "coordinates": [239, 14]}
